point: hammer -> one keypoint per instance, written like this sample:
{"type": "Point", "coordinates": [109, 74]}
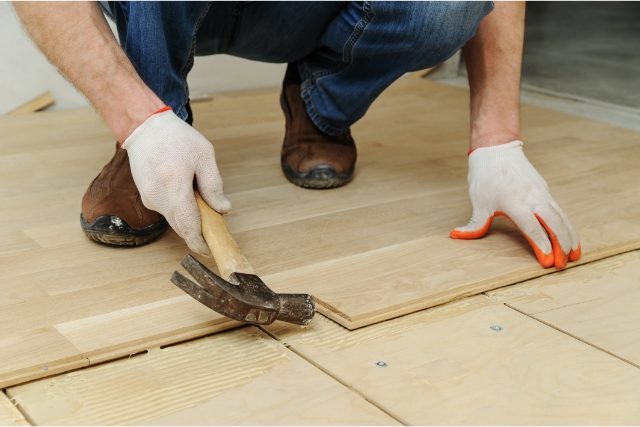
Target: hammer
{"type": "Point", "coordinates": [243, 295]}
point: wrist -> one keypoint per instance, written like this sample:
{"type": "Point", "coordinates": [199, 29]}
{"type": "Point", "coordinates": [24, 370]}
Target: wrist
{"type": "Point", "coordinates": [494, 128]}
{"type": "Point", "coordinates": [132, 116]}
{"type": "Point", "coordinates": [494, 121]}
{"type": "Point", "coordinates": [125, 107]}
{"type": "Point", "coordinates": [492, 138]}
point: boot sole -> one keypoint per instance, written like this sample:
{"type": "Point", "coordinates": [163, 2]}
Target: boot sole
{"type": "Point", "coordinates": [112, 230]}
{"type": "Point", "coordinates": [318, 178]}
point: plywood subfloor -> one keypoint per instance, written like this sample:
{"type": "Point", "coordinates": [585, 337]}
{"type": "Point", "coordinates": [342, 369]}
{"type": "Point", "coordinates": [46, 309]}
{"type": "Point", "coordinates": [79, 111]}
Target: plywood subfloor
{"type": "Point", "coordinates": [470, 362]}
{"type": "Point", "coordinates": [9, 414]}
{"type": "Point", "coordinates": [236, 378]}
{"type": "Point", "coordinates": [599, 304]}
{"type": "Point", "coordinates": [474, 362]}
{"type": "Point", "coordinates": [373, 250]}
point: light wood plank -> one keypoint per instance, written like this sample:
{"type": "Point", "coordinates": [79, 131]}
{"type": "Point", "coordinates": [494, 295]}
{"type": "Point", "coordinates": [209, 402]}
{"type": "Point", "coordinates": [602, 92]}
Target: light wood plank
{"type": "Point", "coordinates": [597, 303]}
{"type": "Point", "coordinates": [240, 377]}
{"type": "Point", "coordinates": [36, 353]}
{"type": "Point", "coordinates": [342, 233]}
{"type": "Point", "coordinates": [474, 362]}
{"type": "Point", "coordinates": [375, 249]}
{"type": "Point", "coordinates": [9, 414]}
{"type": "Point", "coordinates": [38, 103]}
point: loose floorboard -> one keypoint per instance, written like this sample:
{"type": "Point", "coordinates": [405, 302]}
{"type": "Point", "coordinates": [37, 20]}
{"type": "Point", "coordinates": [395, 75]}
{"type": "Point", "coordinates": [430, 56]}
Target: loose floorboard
{"type": "Point", "coordinates": [234, 378]}
{"type": "Point", "coordinates": [9, 414]}
{"type": "Point", "coordinates": [375, 249]}
{"type": "Point", "coordinates": [597, 303]}
{"type": "Point", "coordinates": [473, 362]}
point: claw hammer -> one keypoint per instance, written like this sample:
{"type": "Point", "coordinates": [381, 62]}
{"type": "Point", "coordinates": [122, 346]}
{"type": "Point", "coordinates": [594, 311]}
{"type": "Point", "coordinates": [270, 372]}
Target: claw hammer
{"type": "Point", "coordinates": [239, 294]}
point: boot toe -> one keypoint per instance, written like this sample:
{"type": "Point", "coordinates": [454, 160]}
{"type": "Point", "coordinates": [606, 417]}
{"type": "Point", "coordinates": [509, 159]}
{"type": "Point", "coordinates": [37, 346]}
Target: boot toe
{"type": "Point", "coordinates": [311, 158]}
{"type": "Point", "coordinates": [112, 211]}
{"type": "Point", "coordinates": [321, 176]}
{"type": "Point", "coordinates": [113, 230]}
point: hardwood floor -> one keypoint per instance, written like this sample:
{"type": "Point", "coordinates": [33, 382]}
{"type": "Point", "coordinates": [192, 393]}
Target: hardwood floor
{"type": "Point", "coordinates": [371, 251]}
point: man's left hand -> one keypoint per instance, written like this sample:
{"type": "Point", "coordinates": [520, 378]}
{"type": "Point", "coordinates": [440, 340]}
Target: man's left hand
{"type": "Point", "coordinates": [502, 182]}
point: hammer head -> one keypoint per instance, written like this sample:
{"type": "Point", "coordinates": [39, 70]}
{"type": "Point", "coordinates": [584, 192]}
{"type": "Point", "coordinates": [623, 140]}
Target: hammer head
{"type": "Point", "coordinates": [243, 297]}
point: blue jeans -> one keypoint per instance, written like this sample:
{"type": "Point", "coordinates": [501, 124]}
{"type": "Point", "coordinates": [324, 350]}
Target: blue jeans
{"type": "Point", "coordinates": [347, 53]}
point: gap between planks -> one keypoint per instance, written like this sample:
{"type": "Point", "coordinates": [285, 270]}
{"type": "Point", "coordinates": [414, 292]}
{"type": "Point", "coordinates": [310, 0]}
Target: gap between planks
{"type": "Point", "coordinates": [15, 416]}
{"type": "Point", "coordinates": [583, 340]}
{"type": "Point", "coordinates": [333, 376]}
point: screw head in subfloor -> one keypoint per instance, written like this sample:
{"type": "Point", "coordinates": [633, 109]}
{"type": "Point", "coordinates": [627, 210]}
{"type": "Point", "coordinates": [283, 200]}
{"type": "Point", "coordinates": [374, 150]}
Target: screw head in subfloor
{"type": "Point", "coordinates": [381, 364]}
{"type": "Point", "coordinates": [496, 328]}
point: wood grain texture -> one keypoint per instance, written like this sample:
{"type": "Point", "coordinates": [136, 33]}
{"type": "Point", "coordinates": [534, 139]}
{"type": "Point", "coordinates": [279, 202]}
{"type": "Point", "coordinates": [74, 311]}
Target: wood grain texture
{"type": "Point", "coordinates": [235, 378]}
{"type": "Point", "coordinates": [9, 414]}
{"type": "Point", "coordinates": [410, 191]}
{"type": "Point", "coordinates": [370, 251]}
{"type": "Point", "coordinates": [598, 303]}
{"type": "Point", "coordinates": [473, 362]}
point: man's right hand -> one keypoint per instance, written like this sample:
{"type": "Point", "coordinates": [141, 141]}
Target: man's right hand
{"type": "Point", "coordinates": [165, 155]}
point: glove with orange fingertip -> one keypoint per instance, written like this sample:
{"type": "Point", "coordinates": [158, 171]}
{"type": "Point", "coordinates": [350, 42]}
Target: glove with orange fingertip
{"type": "Point", "coordinates": [502, 182]}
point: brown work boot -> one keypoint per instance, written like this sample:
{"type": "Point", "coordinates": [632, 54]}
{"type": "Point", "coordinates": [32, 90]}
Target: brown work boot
{"type": "Point", "coordinates": [311, 158]}
{"type": "Point", "coordinates": [112, 211]}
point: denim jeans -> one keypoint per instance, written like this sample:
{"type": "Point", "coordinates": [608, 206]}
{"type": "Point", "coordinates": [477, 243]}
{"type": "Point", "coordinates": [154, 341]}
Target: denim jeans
{"type": "Point", "coordinates": [347, 53]}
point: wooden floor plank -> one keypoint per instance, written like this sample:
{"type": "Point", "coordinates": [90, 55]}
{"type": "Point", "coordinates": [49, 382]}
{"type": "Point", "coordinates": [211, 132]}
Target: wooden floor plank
{"type": "Point", "coordinates": [38, 103]}
{"type": "Point", "coordinates": [597, 303]}
{"type": "Point", "coordinates": [473, 362]}
{"type": "Point", "coordinates": [370, 251]}
{"type": "Point", "coordinates": [240, 377]}
{"type": "Point", "coordinates": [36, 353]}
{"type": "Point", "coordinates": [9, 414]}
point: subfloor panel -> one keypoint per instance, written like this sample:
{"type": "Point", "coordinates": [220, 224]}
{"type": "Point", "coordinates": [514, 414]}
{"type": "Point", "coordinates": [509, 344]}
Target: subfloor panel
{"type": "Point", "coordinates": [474, 362]}
{"type": "Point", "coordinates": [234, 378]}
{"type": "Point", "coordinates": [9, 414]}
{"type": "Point", "coordinates": [597, 303]}
{"type": "Point", "coordinates": [373, 250]}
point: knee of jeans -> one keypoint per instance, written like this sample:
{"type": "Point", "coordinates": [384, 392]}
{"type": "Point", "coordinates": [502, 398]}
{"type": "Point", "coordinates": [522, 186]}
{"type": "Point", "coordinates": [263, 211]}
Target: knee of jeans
{"type": "Point", "coordinates": [439, 29]}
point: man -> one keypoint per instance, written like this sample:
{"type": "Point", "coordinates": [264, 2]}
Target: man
{"type": "Point", "coordinates": [341, 56]}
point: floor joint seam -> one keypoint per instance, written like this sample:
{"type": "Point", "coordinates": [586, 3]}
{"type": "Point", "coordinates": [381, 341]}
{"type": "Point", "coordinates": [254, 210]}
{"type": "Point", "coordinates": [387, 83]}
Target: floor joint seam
{"type": "Point", "coordinates": [18, 408]}
{"type": "Point", "coordinates": [590, 344]}
{"type": "Point", "coordinates": [569, 267]}
{"type": "Point", "coordinates": [332, 376]}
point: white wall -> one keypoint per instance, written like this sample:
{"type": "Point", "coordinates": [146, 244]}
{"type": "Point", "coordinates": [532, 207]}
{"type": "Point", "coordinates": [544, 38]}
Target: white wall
{"type": "Point", "coordinates": [25, 72]}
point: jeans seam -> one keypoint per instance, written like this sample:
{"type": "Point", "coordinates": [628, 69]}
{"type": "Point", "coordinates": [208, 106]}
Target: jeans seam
{"type": "Point", "coordinates": [358, 29]}
{"type": "Point", "coordinates": [192, 53]}
{"type": "Point", "coordinates": [312, 111]}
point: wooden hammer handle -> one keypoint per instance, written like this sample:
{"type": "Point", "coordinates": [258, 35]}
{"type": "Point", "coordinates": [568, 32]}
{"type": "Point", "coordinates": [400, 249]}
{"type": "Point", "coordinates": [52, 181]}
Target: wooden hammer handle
{"type": "Point", "coordinates": [224, 249]}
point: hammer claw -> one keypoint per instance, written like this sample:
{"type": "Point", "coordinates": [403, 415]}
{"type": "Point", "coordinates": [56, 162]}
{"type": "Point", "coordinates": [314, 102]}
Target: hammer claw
{"type": "Point", "coordinates": [205, 277]}
{"type": "Point", "coordinates": [250, 300]}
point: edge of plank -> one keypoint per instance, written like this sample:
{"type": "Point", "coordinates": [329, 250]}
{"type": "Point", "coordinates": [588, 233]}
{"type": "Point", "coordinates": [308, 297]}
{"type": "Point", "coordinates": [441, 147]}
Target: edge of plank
{"type": "Point", "coordinates": [9, 412]}
{"type": "Point", "coordinates": [378, 316]}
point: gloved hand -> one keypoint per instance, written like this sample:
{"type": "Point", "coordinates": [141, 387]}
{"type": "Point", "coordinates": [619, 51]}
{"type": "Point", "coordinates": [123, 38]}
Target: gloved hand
{"type": "Point", "coordinates": [165, 154]}
{"type": "Point", "coordinates": [503, 182]}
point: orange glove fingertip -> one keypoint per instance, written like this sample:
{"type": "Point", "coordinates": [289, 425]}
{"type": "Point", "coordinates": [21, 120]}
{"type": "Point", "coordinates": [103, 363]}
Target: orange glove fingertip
{"type": "Point", "coordinates": [545, 260]}
{"type": "Point", "coordinates": [473, 234]}
{"type": "Point", "coordinates": [575, 254]}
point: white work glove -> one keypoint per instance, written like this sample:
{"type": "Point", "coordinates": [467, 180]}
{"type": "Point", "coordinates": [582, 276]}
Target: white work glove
{"type": "Point", "coordinates": [502, 182]}
{"type": "Point", "coordinates": [165, 154]}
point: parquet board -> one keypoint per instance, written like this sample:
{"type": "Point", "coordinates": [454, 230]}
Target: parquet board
{"type": "Point", "coordinates": [373, 250]}
{"type": "Point", "coordinates": [597, 303]}
{"type": "Point", "coordinates": [9, 414]}
{"type": "Point", "coordinates": [473, 362]}
{"type": "Point", "coordinates": [235, 378]}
